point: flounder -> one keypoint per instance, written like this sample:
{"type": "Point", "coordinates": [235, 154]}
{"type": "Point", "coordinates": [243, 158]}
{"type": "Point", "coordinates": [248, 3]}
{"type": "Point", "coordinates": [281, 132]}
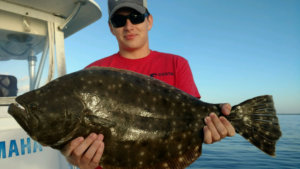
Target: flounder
{"type": "Point", "coordinates": [146, 122]}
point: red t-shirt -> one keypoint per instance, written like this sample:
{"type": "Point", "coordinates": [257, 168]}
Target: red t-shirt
{"type": "Point", "coordinates": [172, 69]}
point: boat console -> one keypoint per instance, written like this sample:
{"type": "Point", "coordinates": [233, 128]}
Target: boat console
{"type": "Point", "coordinates": [32, 34]}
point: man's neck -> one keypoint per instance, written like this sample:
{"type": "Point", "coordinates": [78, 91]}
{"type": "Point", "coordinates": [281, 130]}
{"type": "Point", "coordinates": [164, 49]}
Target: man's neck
{"type": "Point", "coordinates": [135, 54]}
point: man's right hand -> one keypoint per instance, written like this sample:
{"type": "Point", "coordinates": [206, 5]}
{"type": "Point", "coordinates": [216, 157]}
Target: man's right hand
{"type": "Point", "coordinates": [85, 153]}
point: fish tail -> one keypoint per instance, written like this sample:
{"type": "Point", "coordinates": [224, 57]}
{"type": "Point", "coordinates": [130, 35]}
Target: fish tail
{"type": "Point", "coordinates": [255, 119]}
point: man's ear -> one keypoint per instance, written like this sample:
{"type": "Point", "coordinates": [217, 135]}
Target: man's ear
{"type": "Point", "coordinates": [111, 29]}
{"type": "Point", "coordinates": [150, 22]}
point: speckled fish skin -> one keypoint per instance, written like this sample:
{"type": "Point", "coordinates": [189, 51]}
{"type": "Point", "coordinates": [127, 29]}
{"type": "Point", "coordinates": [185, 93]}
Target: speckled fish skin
{"type": "Point", "coordinates": [146, 123]}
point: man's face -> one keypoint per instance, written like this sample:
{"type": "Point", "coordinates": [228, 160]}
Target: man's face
{"type": "Point", "coordinates": [132, 36]}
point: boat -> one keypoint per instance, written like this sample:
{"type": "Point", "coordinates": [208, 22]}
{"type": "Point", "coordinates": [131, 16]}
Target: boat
{"type": "Point", "coordinates": [34, 31]}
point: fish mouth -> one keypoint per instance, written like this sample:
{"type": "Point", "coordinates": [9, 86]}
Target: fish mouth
{"type": "Point", "coordinates": [20, 114]}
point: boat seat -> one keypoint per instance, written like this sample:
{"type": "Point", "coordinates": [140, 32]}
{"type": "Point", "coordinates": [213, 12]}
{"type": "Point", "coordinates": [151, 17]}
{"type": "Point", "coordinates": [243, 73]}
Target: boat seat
{"type": "Point", "coordinates": [8, 86]}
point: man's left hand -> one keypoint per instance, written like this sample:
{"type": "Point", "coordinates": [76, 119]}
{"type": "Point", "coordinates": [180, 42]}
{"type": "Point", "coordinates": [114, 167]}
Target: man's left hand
{"type": "Point", "coordinates": [218, 128]}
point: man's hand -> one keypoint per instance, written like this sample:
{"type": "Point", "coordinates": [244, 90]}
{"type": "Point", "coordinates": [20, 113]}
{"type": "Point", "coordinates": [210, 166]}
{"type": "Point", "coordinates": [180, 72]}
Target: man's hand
{"type": "Point", "coordinates": [85, 153]}
{"type": "Point", "coordinates": [218, 127]}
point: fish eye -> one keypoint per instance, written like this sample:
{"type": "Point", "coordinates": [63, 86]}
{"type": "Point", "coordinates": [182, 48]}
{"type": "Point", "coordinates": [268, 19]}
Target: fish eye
{"type": "Point", "coordinates": [33, 106]}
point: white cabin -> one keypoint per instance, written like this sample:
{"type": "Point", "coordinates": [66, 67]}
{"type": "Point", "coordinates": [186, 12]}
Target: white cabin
{"type": "Point", "coordinates": [32, 32]}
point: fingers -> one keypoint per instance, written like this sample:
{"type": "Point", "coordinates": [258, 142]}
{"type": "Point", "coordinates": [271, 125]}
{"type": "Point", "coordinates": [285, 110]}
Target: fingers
{"type": "Point", "coordinates": [85, 153]}
{"type": "Point", "coordinates": [217, 128]}
{"type": "Point", "coordinates": [221, 131]}
{"type": "Point", "coordinates": [99, 152]}
{"type": "Point", "coordinates": [71, 146]}
{"type": "Point", "coordinates": [93, 154]}
{"type": "Point", "coordinates": [228, 126]}
{"type": "Point", "coordinates": [226, 108]}
{"type": "Point", "coordinates": [207, 135]}
{"type": "Point", "coordinates": [78, 152]}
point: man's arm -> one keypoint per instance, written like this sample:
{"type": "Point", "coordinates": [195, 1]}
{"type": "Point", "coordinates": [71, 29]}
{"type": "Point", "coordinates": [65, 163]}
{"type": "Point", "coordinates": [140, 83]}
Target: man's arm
{"type": "Point", "coordinates": [218, 128]}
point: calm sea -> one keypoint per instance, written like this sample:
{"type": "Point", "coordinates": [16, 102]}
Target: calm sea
{"type": "Point", "coordinates": [236, 152]}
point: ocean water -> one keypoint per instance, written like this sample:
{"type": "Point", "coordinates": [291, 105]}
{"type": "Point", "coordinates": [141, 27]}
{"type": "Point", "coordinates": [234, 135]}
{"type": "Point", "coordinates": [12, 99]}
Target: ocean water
{"type": "Point", "coordinates": [236, 152]}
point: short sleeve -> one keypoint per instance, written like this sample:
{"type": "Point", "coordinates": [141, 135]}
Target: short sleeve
{"type": "Point", "coordinates": [184, 79]}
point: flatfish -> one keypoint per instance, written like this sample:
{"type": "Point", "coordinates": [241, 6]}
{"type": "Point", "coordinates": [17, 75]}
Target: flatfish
{"type": "Point", "coordinates": [146, 122]}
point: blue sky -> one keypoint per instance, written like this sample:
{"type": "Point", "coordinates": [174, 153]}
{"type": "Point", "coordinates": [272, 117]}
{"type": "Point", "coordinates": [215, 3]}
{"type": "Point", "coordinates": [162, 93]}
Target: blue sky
{"type": "Point", "coordinates": [236, 49]}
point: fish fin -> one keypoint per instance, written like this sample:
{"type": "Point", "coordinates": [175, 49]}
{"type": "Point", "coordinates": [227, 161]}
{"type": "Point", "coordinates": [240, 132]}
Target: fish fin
{"type": "Point", "coordinates": [255, 119]}
{"type": "Point", "coordinates": [96, 121]}
{"type": "Point", "coordinates": [179, 162]}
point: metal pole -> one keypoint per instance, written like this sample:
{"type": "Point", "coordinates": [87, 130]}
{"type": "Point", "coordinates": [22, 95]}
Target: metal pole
{"type": "Point", "coordinates": [60, 51]}
{"type": "Point", "coordinates": [37, 79]}
{"type": "Point", "coordinates": [31, 65]}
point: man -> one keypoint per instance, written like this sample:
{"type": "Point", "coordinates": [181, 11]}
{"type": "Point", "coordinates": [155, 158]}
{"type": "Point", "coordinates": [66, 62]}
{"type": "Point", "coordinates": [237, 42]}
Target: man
{"type": "Point", "coordinates": [130, 22]}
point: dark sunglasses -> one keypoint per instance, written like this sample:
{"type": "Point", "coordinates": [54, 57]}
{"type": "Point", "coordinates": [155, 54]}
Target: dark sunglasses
{"type": "Point", "coordinates": [135, 18]}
